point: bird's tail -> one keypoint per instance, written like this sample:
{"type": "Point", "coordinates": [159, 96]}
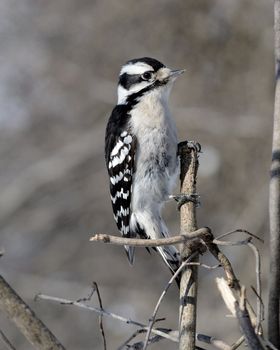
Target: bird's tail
{"type": "Point", "coordinates": [146, 226]}
{"type": "Point", "coordinates": [171, 258]}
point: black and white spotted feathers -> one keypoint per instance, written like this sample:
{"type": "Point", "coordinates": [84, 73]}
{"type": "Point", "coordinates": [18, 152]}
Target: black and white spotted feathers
{"type": "Point", "coordinates": [120, 153]}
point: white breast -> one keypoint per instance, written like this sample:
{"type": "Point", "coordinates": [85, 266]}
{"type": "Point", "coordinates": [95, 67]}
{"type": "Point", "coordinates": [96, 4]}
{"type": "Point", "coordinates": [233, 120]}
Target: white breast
{"type": "Point", "coordinates": [156, 159]}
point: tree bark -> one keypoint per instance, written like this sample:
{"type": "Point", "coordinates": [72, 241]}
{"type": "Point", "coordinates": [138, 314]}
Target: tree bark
{"type": "Point", "coordinates": [25, 319]}
{"type": "Point", "coordinates": [274, 199]}
{"type": "Point", "coordinates": [188, 285]}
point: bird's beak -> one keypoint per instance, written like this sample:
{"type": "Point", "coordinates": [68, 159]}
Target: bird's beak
{"type": "Point", "coordinates": [176, 72]}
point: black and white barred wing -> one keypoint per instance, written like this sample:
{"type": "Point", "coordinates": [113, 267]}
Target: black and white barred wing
{"type": "Point", "coordinates": [121, 168]}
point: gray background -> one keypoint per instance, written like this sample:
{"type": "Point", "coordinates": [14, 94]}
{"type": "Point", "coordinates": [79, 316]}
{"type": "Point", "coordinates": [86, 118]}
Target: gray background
{"type": "Point", "coordinates": [59, 63]}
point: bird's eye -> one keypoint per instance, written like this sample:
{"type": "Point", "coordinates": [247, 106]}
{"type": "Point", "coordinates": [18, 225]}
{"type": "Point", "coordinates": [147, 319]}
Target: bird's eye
{"type": "Point", "coordinates": [146, 76]}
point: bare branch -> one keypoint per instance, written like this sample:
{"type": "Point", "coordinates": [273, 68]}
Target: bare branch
{"type": "Point", "coordinates": [240, 230]}
{"type": "Point", "coordinates": [259, 288]}
{"type": "Point", "coordinates": [231, 243]}
{"type": "Point", "coordinates": [223, 260]}
{"type": "Point", "coordinates": [274, 199]}
{"type": "Point", "coordinates": [6, 341]}
{"type": "Point", "coordinates": [239, 310]}
{"type": "Point", "coordinates": [172, 279]}
{"type": "Point", "coordinates": [217, 343]}
{"type": "Point", "coordinates": [227, 294]}
{"type": "Point", "coordinates": [137, 242]}
{"type": "Point", "coordinates": [104, 313]}
{"type": "Point", "coordinates": [34, 330]}
{"type": "Point", "coordinates": [95, 286]}
{"type": "Point", "coordinates": [188, 285]}
{"type": "Point", "coordinates": [246, 324]}
{"type": "Point", "coordinates": [238, 342]}
{"type": "Point", "coordinates": [134, 335]}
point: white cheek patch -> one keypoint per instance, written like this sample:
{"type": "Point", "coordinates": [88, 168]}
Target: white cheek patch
{"type": "Point", "coordinates": [123, 93]}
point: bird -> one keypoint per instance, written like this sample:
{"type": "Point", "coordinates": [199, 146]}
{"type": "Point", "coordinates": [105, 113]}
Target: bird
{"type": "Point", "coordinates": [141, 153]}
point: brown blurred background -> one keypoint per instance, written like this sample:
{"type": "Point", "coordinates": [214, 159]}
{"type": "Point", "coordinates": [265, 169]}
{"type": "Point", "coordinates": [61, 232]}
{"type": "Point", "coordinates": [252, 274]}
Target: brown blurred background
{"type": "Point", "coordinates": [58, 74]}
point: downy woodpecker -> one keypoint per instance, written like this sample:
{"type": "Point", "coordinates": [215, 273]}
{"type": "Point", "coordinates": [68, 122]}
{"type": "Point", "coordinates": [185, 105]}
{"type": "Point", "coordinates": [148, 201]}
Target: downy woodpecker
{"type": "Point", "coordinates": [141, 153]}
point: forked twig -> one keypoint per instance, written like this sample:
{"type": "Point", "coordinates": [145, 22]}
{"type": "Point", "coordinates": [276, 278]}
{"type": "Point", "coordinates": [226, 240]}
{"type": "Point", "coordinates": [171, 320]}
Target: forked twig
{"type": "Point", "coordinates": [104, 312]}
{"type": "Point", "coordinates": [100, 316]}
{"type": "Point", "coordinates": [246, 324]}
{"type": "Point", "coordinates": [172, 279]}
{"type": "Point", "coordinates": [138, 242]}
{"type": "Point", "coordinates": [240, 230]}
{"type": "Point", "coordinates": [239, 310]}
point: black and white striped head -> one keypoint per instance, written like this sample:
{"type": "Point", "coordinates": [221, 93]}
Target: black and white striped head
{"type": "Point", "coordinates": [141, 76]}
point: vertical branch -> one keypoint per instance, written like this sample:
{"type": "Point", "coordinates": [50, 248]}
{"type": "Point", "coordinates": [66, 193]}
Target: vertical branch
{"type": "Point", "coordinates": [25, 319]}
{"type": "Point", "coordinates": [274, 199]}
{"type": "Point", "coordinates": [188, 285]}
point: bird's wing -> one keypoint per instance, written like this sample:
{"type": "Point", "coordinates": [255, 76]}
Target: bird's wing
{"type": "Point", "coordinates": [120, 155]}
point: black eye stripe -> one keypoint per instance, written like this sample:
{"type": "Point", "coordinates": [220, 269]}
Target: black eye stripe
{"type": "Point", "coordinates": [127, 80]}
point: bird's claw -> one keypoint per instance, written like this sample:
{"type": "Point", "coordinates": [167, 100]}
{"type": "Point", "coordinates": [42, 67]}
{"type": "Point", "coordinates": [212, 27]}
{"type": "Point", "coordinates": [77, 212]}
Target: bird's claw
{"type": "Point", "coordinates": [183, 198]}
{"type": "Point", "coordinates": [192, 145]}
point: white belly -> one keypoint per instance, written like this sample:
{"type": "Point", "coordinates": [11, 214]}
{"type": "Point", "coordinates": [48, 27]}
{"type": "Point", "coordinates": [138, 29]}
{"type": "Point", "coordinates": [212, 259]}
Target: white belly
{"type": "Point", "coordinates": [156, 156]}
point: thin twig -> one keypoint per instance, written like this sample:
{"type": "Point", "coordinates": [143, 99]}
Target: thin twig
{"type": "Point", "coordinates": [231, 243]}
{"type": "Point", "coordinates": [259, 288]}
{"type": "Point", "coordinates": [104, 312]}
{"type": "Point", "coordinates": [100, 316]}
{"type": "Point", "coordinates": [134, 335]}
{"type": "Point", "coordinates": [217, 343]}
{"type": "Point", "coordinates": [227, 294]}
{"type": "Point", "coordinates": [172, 279]}
{"type": "Point", "coordinates": [140, 344]}
{"type": "Point", "coordinates": [223, 260]}
{"type": "Point", "coordinates": [6, 341]}
{"type": "Point", "coordinates": [137, 242]}
{"type": "Point", "coordinates": [238, 342]}
{"type": "Point", "coordinates": [261, 301]}
{"type": "Point", "coordinates": [239, 310]}
{"type": "Point", "coordinates": [208, 267]}
{"type": "Point", "coordinates": [34, 330]}
{"type": "Point", "coordinates": [240, 230]}
{"type": "Point", "coordinates": [232, 281]}
{"type": "Point", "coordinates": [246, 324]}
{"type": "Point", "coordinates": [269, 344]}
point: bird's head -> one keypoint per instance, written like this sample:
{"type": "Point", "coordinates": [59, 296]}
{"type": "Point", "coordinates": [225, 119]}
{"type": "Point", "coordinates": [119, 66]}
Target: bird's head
{"type": "Point", "coordinates": [142, 76]}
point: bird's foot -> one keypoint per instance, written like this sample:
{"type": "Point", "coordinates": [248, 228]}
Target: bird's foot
{"type": "Point", "coordinates": [183, 198]}
{"type": "Point", "coordinates": [192, 145]}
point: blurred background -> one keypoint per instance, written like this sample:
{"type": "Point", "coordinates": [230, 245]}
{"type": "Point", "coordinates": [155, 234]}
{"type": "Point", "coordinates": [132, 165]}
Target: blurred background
{"type": "Point", "coordinates": [58, 75]}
